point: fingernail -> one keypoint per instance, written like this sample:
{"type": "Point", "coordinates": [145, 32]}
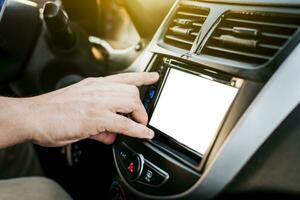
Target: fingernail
{"type": "Point", "coordinates": [151, 134]}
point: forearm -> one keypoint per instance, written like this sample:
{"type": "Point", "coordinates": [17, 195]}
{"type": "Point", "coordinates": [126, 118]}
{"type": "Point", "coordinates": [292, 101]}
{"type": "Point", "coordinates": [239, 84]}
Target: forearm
{"type": "Point", "coordinates": [14, 119]}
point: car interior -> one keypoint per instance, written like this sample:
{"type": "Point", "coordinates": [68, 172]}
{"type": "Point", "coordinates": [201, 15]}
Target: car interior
{"type": "Point", "coordinates": [225, 110]}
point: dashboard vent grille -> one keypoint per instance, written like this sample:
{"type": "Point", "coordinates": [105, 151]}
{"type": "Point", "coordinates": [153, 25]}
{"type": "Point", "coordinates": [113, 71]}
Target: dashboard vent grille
{"type": "Point", "coordinates": [251, 37]}
{"type": "Point", "coordinates": [185, 26]}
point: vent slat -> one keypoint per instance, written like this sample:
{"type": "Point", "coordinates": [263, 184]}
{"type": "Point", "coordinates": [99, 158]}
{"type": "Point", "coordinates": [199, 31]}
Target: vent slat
{"type": "Point", "coordinates": [269, 46]}
{"type": "Point", "coordinates": [273, 35]}
{"type": "Point", "coordinates": [185, 26]}
{"type": "Point", "coordinates": [177, 39]}
{"type": "Point", "coordinates": [262, 23]}
{"type": "Point", "coordinates": [191, 14]}
{"type": "Point", "coordinates": [239, 53]}
{"type": "Point", "coordinates": [262, 45]}
{"type": "Point", "coordinates": [181, 31]}
{"type": "Point", "coordinates": [197, 24]}
{"type": "Point", "coordinates": [251, 37]}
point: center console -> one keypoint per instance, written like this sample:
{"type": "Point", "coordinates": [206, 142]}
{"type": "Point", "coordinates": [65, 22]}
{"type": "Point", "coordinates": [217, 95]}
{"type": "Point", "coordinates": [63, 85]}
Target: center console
{"type": "Point", "coordinates": [189, 108]}
{"type": "Point", "coordinates": [213, 59]}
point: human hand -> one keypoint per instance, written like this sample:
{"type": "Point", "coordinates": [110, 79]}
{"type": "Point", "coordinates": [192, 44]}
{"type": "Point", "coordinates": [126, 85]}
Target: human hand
{"type": "Point", "coordinates": [93, 108]}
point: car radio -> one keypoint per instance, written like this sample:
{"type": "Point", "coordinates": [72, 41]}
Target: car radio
{"type": "Point", "coordinates": [186, 110]}
{"type": "Point", "coordinates": [188, 106]}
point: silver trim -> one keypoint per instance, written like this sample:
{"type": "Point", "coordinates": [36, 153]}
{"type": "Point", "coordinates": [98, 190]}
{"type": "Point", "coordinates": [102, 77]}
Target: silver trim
{"type": "Point", "coordinates": [271, 106]}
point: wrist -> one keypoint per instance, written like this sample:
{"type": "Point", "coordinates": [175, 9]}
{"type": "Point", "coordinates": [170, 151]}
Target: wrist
{"type": "Point", "coordinates": [14, 119]}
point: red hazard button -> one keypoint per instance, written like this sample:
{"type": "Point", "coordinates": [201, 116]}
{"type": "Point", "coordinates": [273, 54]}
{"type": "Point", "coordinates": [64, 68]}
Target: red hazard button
{"type": "Point", "coordinates": [130, 168]}
{"type": "Point", "coordinates": [134, 167]}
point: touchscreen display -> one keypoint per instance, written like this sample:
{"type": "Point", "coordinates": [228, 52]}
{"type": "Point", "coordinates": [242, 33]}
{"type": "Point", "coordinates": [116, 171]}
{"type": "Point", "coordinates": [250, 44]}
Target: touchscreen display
{"type": "Point", "coordinates": [190, 109]}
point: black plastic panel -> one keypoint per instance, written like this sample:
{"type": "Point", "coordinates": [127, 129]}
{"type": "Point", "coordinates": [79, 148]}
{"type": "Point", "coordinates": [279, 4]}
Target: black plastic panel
{"type": "Point", "coordinates": [176, 171]}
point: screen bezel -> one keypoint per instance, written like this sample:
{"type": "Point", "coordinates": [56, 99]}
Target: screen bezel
{"type": "Point", "coordinates": [209, 75]}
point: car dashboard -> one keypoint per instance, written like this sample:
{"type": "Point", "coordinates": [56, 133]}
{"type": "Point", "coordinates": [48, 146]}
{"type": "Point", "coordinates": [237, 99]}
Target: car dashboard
{"type": "Point", "coordinates": [225, 110]}
{"type": "Point", "coordinates": [243, 48]}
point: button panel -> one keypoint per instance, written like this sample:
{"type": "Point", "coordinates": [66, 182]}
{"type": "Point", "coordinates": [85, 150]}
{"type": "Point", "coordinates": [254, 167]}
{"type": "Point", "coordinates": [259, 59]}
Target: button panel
{"type": "Point", "coordinates": [131, 162]}
{"type": "Point", "coordinates": [136, 168]}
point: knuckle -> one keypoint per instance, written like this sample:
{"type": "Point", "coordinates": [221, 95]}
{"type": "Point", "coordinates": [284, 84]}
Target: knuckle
{"type": "Point", "coordinates": [145, 118]}
{"type": "Point", "coordinates": [135, 91]}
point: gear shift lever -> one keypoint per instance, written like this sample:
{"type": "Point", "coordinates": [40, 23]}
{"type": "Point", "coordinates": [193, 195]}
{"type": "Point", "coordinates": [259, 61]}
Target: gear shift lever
{"type": "Point", "coordinates": [57, 23]}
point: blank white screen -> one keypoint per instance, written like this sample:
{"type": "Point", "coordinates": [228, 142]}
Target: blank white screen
{"type": "Point", "coordinates": [190, 109]}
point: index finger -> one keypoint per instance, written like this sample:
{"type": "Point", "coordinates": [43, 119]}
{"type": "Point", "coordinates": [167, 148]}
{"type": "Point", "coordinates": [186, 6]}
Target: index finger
{"type": "Point", "coordinates": [137, 79]}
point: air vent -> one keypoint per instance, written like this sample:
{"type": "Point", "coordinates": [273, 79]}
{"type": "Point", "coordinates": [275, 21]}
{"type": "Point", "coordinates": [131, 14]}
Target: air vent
{"type": "Point", "coordinates": [185, 26]}
{"type": "Point", "coordinates": [251, 37]}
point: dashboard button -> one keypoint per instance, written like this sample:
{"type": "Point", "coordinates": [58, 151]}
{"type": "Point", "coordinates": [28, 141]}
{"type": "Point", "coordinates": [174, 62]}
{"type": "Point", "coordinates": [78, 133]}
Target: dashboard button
{"type": "Point", "coordinates": [151, 93]}
{"type": "Point", "coordinates": [130, 162]}
{"type": "Point", "coordinates": [134, 168]}
{"type": "Point", "coordinates": [152, 176]}
{"type": "Point", "coordinates": [125, 155]}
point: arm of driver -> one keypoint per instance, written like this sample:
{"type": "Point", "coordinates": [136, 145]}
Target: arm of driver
{"type": "Point", "coordinates": [67, 115]}
{"type": "Point", "coordinates": [11, 122]}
